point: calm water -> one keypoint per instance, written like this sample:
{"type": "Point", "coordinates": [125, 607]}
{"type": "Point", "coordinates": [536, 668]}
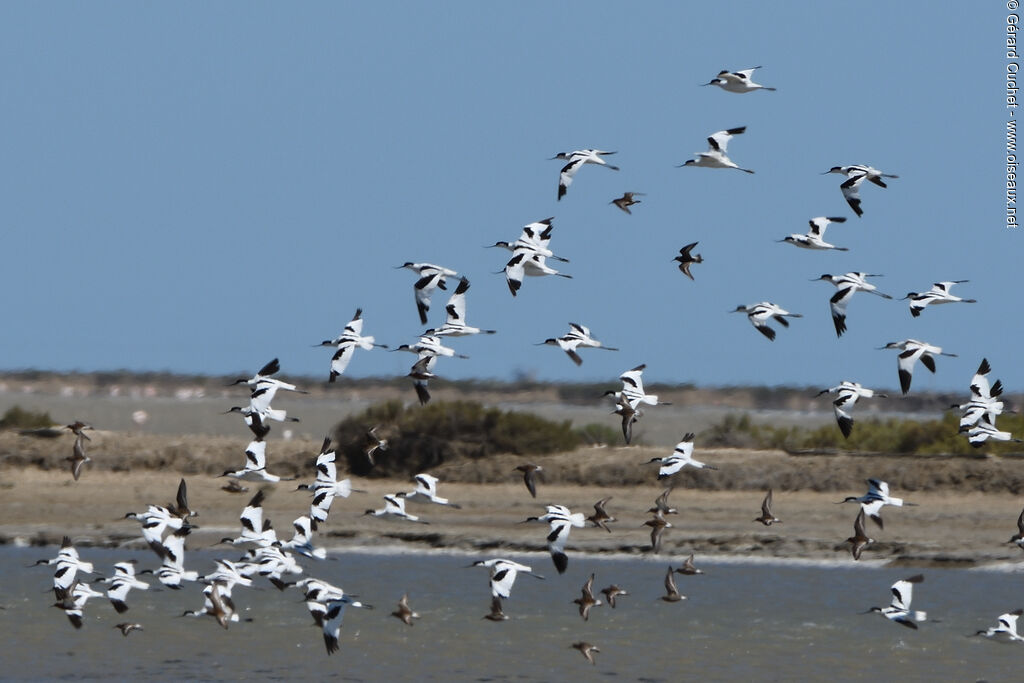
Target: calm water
{"type": "Point", "coordinates": [748, 621]}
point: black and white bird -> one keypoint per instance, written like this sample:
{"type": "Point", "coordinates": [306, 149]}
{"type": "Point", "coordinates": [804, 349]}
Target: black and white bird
{"type": "Point", "coordinates": [327, 486]}
{"type": "Point", "coordinates": [172, 570]}
{"type": "Point", "coordinates": [815, 237]}
{"type": "Point", "coordinates": [255, 529]}
{"type": "Point", "coordinates": [911, 351]}
{"type": "Point", "coordinates": [759, 314]}
{"type": "Point", "coordinates": [985, 403]}
{"type": "Point", "coordinates": [346, 343]}
{"type": "Point", "coordinates": [455, 323]}
{"type": "Point", "coordinates": [938, 294]}
{"type": "Point", "coordinates": [578, 337]}
{"type": "Point", "coordinates": [627, 200]}
{"type": "Point", "coordinates": [680, 458]}
{"type": "Point", "coordinates": [983, 431]}
{"type": "Point", "coordinates": [72, 600]}
{"type": "Point", "coordinates": [265, 379]}
{"type": "Point", "coordinates": [255, 468]}
{"type": "Point", "coordinates": [738, 81]}
{"type": "Point", "coordinates": [847, 285]}
{"type": "Point", "coordinates": [503, 575]}
{"type": "Point", "coordinates": [302, 539]}
{"type": "Point", "coordinates": [332, 619]}
{"type": "Point", "coordinates": [855, 177]}
{"type": "Point", "coordinates": [632, 391]}
{"type": "Point", "coordinates": [877, 496]}
{"type": "Point", "coordinates": [847, 394]}
{"type": "Point", "coordinates": [122, 581]}
{"type": "Point", "coordinates": [1005, 630]}
{"type": "Point", "coordinates": [68, 565]}
{"type": "Point", "coordinates": [527, 264]}
{"type": "Point", "coordinates": [426, 488]}
{"type": "Point", "coordinates": [576, 160]}
{"type": "Point", "coordinates": [535, 239]}
{"type": "Point", "coordinates": [560, 521]}
{"type": "Point", "coordinates": [394, 506]}
{"type": "Point", "coordinates": [715, 157]}
{"type": "Point", "coordinates": [429, 278]}
{"type": "Point", "coordinates": [686, 257]}
{"type": "Point", "coordinates": [899, 609]}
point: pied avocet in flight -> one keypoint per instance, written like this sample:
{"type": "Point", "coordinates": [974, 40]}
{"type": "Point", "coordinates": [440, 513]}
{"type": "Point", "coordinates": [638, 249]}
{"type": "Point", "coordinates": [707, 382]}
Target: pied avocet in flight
{"type": "Point", "coordinates": [847, 285]}
{"type": "Point", "coordinates": [737, 81]}
{"type": "Point", "coordinates": [347, 342]}
{"type": "Point", "coordinates": [632, 392]}
{"type": "Point", "coordinates": [426, 487]}
{"type": "Point", "coordinates": [503, 575]}
{"type": "Point", "coordinates": [910, 351]}
{"type": "Point", "coordinates": [560, 520]}
{"type": "Point", "coordinates": [430, 277]}
{"type": "Point", "coordinates": [871, 502]}
{"type": "Point", "coordinates": [847, 394]}
{"type": "Point", "coordinates": [815, 237]}
{"type": "Point", "coordinates": [984, 403]}
{"type": "Point", "coordinates": [680, 458]}
{"type": "Point", "coordinates": [1005, 629]}
{"type": "Point", "coordinates": [535, 238]}
{"type": "Point", "coordinates": [759, 314]}
{"type": "Point", "coordinates": [899, 609]}
{"type": "Point", "coordinates": [455, 324]}
{"type": "Point", "coordinates": [255, 529]}
{"type": "Point", "coordinates": [525, 263]}
{"type": "Point", "coordinates": [576, 161]}
{"type": "Point", "coordinates": [855, 177]}
{"type": "Point", "coordinates": [938, 294]}
{"type": "Point", "coordinates": [394, 506]}
{"type": "Point", "coordinates": [715, 156]}
{"type": "Point", "coordinates": [578, 337]}
{"type": "Point", "coordinates": [255, 468]}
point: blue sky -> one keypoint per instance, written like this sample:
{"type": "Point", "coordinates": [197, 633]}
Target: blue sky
{"type": "Point", "coordinates": [201, 187]}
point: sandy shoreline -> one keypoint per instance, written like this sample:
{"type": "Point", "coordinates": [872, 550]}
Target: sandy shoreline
{"type": "Point", "coordinates": [943, 529]}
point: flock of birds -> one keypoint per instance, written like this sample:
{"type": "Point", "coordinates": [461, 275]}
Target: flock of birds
{"type": "Point", "coordinates": [166, 528]}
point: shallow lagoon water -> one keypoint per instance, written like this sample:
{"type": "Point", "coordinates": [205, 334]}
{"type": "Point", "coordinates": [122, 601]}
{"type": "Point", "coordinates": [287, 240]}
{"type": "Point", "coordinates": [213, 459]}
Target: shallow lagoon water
{"type": "Point", "coordinates": [754, 620]}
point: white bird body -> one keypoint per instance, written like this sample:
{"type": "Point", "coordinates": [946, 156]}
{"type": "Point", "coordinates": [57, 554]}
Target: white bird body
{"type": "Point", "coordinates": [526, 263]}
{"type": "Point", "coordinates": [503, 575]}
{"type": "Point", "coordinates": [716, 157]}
{"type": "Point", "coordinates": [121, 583]}
{"type": "Point", "coordinates": [430, 277]}
{"type": "Point", "coordinates": [1005, 629]}
{"type": "Point", "coordinates": [759, 314]}
{"type": "Point", "coordinates": [255, 468]}
{"type": "Point", "coordinates": [846, 286]}
{"type": "Point", "coordinates": [855, 176]}
{"type": "Point", "coordinates": [633, 393]}
{"type": "Point", "coordinates": [394, 506]}
{"type": "Point", "coordinates": [172, 571]}
{"type": "Point", "coordinates": [426, 487]}
{"type": "Point", "coordinates": [350, 339]}
{"type": "Point", "coordinates": [577, 337]}
{"type": "Point", "coordinates": [255, 529]}
{"type": "Point", "coordinates": [877, 496]}
{"type": "Point", "coordinates": [899, 609]}
{"type": "Point", "coordinates": [560, 520]}
{"type": "Point", "coordinates": [815, 237]}
{"type": "Point", "coordinates": [455, 323]}
{"type": "Point", "coordinates": [302, 540]}
{"type": "Point", "coordinates": [938, 294]}
{"type": "Point", "coordinates": [847, 395]}
{"type": "Point", "coordinates": [680, 458]}
{"type": "Point", "coordinates": [326, 487]}
{"type": "Point", "coordinates": [332, 619]}
{"type": "Point", "coordinates": [910, 351]}
{"type": "Point", "coordinates": [576, 160]}
{"type": "Point", "coordinates": [737, 81]}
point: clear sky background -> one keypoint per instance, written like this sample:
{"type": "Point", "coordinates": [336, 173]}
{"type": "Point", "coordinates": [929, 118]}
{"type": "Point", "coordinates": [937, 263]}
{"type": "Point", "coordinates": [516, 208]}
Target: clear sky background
{"type": "Point", "coordinates": [199, 187]}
